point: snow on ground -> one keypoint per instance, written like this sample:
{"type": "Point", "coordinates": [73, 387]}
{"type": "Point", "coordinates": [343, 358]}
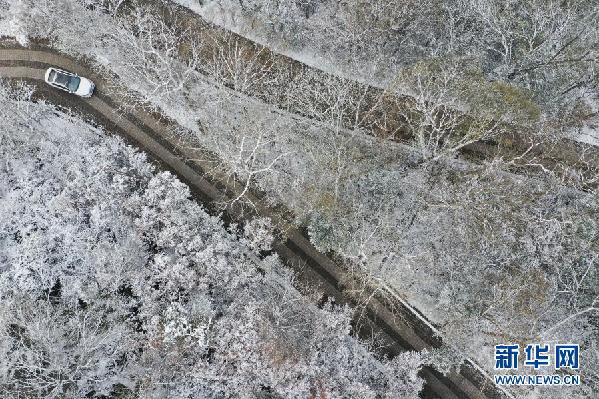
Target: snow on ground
{"type": "Point", "coordinates": [589, 132]}
{"type": "Point", "coordinates": [12, 26]}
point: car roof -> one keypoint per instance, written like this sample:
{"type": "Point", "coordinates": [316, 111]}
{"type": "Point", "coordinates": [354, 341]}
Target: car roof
{"type": "Point", "coordinates": [62, 79]}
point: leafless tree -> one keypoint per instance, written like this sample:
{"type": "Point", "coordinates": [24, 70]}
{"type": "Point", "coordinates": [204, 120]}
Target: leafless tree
{"type": "Point", "coordinates": [435, 110]}
{"type": "Point", "coordinates": [236, 62]}
{"type": "Point", "coordinates": [154, 55]}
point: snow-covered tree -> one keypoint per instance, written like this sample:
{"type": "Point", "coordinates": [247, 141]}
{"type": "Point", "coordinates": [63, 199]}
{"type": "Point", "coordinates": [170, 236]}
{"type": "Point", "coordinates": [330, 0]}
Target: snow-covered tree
{"type": "Point", "coordinates": [115, 283]}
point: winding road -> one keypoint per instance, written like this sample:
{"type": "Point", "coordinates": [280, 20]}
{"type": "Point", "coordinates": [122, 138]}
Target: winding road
{"type": "Point", "coordinates": [389, 316]}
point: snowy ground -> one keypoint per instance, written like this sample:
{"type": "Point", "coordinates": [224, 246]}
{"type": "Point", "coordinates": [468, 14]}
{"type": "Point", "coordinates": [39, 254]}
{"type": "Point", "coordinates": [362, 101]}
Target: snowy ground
{"type": "Point", "coordinates": [589, 132]}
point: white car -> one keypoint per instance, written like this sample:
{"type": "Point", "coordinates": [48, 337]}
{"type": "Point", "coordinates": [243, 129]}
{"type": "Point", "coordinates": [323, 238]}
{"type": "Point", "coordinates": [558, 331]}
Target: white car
{"type": "Point", "coordinates": [69, 82]}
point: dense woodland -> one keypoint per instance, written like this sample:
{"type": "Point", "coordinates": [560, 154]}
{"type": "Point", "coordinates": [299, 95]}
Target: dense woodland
{"type": "Point", "coordinates": [548, 48]}
{"type": "Point", "coordinates": [491, 251]}
{"type": "Point", "coordinates": [114, 283]}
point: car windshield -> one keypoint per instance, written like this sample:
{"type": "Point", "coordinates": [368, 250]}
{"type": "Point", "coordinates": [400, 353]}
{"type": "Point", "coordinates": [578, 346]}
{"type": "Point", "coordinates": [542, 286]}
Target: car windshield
{"type": "Point", "coordinates": [69, 82]}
